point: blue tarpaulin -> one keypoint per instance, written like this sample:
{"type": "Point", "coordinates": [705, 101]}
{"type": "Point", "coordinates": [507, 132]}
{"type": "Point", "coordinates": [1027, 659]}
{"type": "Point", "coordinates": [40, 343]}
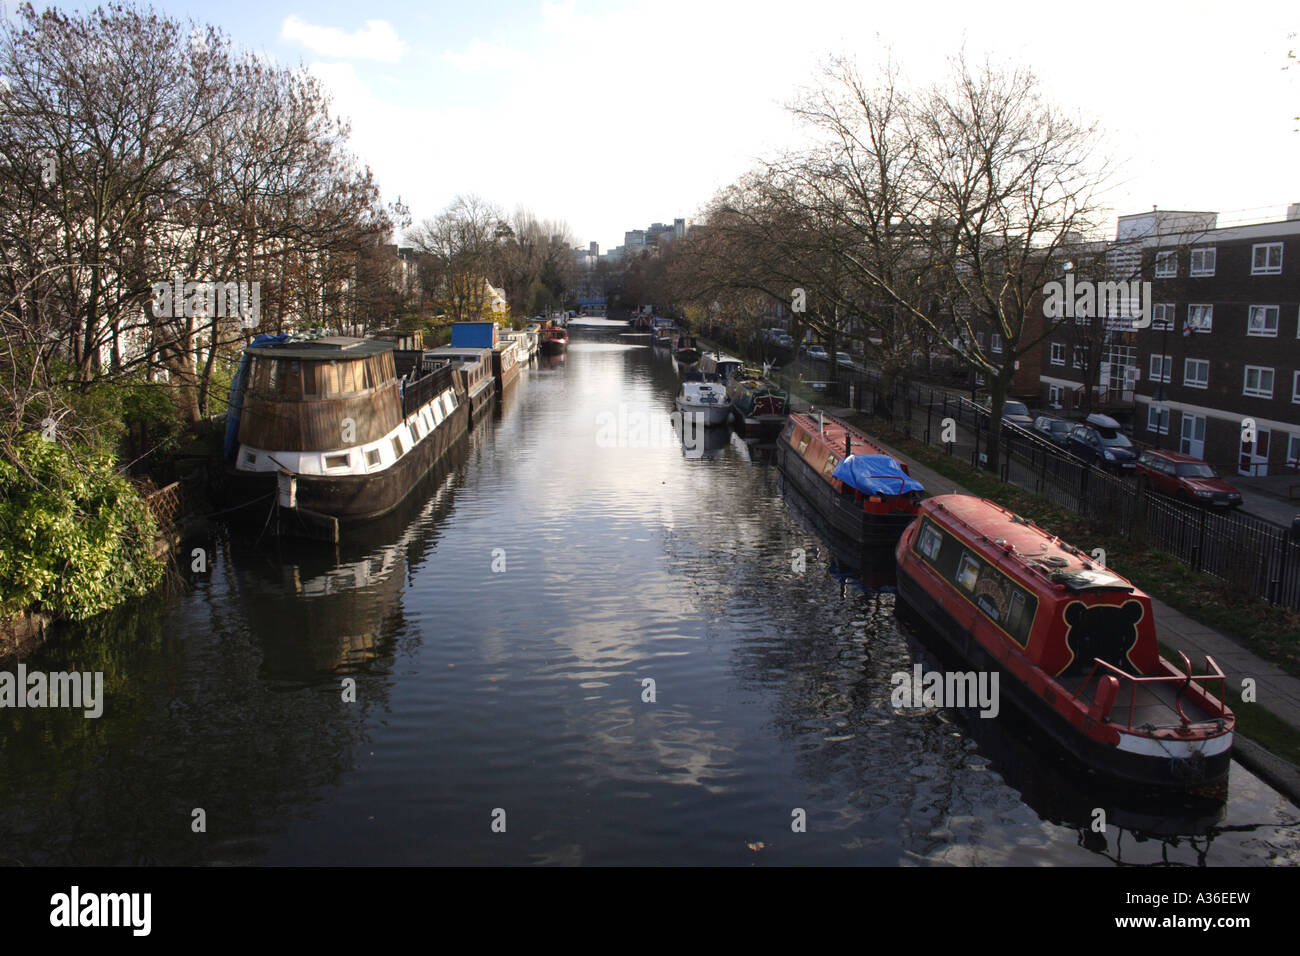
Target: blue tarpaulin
{"type": "Point", "coordinates": [875, 475]}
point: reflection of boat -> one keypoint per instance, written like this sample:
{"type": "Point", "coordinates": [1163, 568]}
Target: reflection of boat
{"type": "Point", "coordinates": [327, 428]}
{"type": "Point", "coordinates": [702, 395]}
{"type": "Point", "coordinates": [861, 492]}
{"type": "Point", "coordinates": [759, 406]}
{"type": "Point", "coordinates": [1076, 641]}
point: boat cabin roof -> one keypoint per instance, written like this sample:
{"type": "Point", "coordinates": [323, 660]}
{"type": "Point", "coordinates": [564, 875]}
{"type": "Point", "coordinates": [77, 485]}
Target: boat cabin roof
{"type": "Point", "coordinates": [326, 348]}
{"type": "Point", "coordinates": [1043, 554]}
{"type": "Point", "coordinates": [458, 352]}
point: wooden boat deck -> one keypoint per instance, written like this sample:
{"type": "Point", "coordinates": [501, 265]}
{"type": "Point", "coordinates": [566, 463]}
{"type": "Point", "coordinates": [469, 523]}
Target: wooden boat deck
{"type": "Point", "coordinates": [1153, 704]}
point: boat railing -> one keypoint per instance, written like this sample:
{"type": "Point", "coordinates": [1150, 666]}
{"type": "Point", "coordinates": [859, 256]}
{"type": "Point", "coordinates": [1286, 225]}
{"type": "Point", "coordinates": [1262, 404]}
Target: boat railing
{"type": "Point", "coordinates": [424, 389]}
{"type": "Point", "coordinates": [1108, 684]}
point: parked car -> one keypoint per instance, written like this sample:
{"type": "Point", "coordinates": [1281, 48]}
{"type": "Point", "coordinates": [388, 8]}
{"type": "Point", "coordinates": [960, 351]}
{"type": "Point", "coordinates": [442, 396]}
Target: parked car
{"type": "Point", "coordinates": [785, 341]}
{"type": "Point", "coordinates": [817, 352]}
{"type": "Point", "coordinates": [1015, 412]}
{"type": "Point", "coordinates": [842, 358]}
{"type": "Point", "coordinates": [1055, 430]}
{"type": "Point", "coordinates": [1185, 477]}
{"type": "Point", "coordinates": [1099, 441]}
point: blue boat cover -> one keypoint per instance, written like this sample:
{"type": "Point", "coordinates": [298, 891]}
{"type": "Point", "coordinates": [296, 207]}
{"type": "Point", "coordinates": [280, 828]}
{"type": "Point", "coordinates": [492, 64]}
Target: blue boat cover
{"type": "Point", "coordinates": [875, 475]}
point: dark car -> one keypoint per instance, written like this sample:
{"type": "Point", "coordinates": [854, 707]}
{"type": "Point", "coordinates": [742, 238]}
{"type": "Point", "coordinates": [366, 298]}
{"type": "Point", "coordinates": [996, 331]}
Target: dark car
{"type": "Point", "coordinates": [1185, 477]}
{"type": "Point", "coordinates": [1099, 441]}
{"type": "Point", "coordinates": [1055, 430]}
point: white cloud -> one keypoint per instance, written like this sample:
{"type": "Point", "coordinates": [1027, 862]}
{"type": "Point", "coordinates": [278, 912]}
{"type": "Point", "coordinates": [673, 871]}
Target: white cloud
{"type": "Point", "coordinates": [481, 55]}
{"type": "Point", "coordinates": [378, 41]}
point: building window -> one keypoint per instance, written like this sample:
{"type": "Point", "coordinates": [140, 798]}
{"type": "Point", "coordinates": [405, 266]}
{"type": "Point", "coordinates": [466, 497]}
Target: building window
{"type": "Point", "coordinates": [1056, 395]}
{"type": "Point", "coordinates": [1266, 259]}
{"type": "Point", "coordinates": [1161, 367]}
{"type": "Point", "coordinates": [1262, 321]}
{"type": "Point", "coordinates": [1200, 318]}
{"type": "Point", "coordinates": [1166, 264]}
{"type": "Point", "coordinates": [1158, 419]}
{"type": "Point", "coordinates": [1293, 451]}
{"type": "Point", "coordinates": [995, 342]}
{"type": "Point", "coordinates": [1295, 388]}
{"type": "Point", "coordinates": [1196, 373]}
{"type": "Point", "coordinates": [1078, 357]}
{"type": "Point", "coordinates": [1202, 262]}
{"type": "Point", "coordinates": [1162, 317]}
{"type": "Point", "coordinates": [1258, 382]}
{"type": "Point", "coordinates": [1058, 353]}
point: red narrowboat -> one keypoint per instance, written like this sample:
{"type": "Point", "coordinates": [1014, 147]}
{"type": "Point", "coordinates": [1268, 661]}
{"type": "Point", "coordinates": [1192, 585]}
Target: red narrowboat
{"type": "Point", "coordinates": [553, 339]}
{"type": "Point", "coordinates": [1075, 643]}
{"type": "Point", "coordinates": [862, 493]}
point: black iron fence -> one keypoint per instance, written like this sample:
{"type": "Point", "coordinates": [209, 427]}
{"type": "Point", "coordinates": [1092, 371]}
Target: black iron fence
{"type": "Point", "coordinates": [1252, 554]}
{"type": "Point", "coordinates": [424, 389]}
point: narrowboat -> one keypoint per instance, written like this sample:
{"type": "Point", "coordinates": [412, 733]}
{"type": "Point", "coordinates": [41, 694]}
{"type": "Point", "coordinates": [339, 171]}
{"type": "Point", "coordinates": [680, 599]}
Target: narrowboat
{"type": "Point", "coordinates": [664, 334]}
{"type": "Point", "coordinates": [553, 339]}
{"type": "Point", "coordinates": [862, 493]}
{"type": "Point", "coordinates": [326, 428]}
{"type": "Point", "coordinates": [703, 396]}
{"type": "Point", "coordinates": [1075, 642]}
{"type": "Point", "coordinates": [719, 364]}
{"type": "Point", "coordinates": [475, 369]}
{"type": "Point", "coordinates": [759, 406]}
{"type": "Point", "coordinates": [686, 351]}
{"type": "Point", "coordinates": [505, 365]}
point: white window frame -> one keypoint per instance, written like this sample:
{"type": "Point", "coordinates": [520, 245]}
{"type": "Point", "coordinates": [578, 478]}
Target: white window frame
{"type": "Point", "coordinates": [995, 343]}
{"type": "Point", "coordinates": [1160, 414]}
{"type": "Point", "coordinates": [1258, 391]}
{"type": "Point", "coordinates": [1188, 382]}
{"type": "Point", "coordinates": [1056, 395]}
{"type": "Point", "coordinates": [1295, 388]}
{"type": "Point", "coordinates": [1058, 353]}
{"type": "Point", "coordinates": [1204, 252]}
{"type": "Point", "coordinates": [1266, 270]}
{"type": "Point", "coordinates": [1166, 364]}
{"type": "Point", "coordinates": [1209, 316]}
{"type": "Point", "coordinates": [1166, 264]}
{"type": "Point", "coordinates": [1164, 313]}
{"type": "Point", "coordinates": [1076, 357]}
{"type": "Point", "coordinates": [1264, 310]}
{"type": "Point", "coordinates": [1293, 449]}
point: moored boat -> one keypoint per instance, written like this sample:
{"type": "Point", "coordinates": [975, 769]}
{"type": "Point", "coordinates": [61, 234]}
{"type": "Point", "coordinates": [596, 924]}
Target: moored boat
{"type": "Point", "coordinates": [1075, 641]}
{"type": "Point", "coordinates": [720, 364]}
{"type": "Point", "coordinates": [553, 339]}
{"type": "Point", "coordinates": [475, 369]}
{"type": "Point", "coordinates": [759, 406]}
{"type": "Point", "coordinates": [686, 352]}
{"type": "Point", "coordinates": [325, 428]}
{"type": "Point", "coordinates": [703, 396]}
{"type": "Point", "coordinates": [862, 493]}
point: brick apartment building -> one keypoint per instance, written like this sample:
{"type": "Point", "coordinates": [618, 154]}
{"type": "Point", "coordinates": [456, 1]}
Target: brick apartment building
{"type": "Point", "coordinates": [1224, 343]}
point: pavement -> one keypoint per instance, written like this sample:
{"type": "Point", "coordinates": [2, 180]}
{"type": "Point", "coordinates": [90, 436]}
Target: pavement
{"type": "Point", "coordinates": [1276, 691]}
{"type": "Point", "coordinates": [1269, 497]}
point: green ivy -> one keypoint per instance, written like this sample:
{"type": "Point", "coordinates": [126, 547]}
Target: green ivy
{"type": "Point", "coordinates": [78, 538]}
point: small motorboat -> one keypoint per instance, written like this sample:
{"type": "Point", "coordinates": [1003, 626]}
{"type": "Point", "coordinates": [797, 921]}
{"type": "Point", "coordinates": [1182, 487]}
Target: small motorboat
{"type": "Point", "coordinates": [703, 395]}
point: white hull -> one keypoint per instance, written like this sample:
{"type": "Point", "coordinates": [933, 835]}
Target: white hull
{"type": "Point", "coordinates": [712, 413]}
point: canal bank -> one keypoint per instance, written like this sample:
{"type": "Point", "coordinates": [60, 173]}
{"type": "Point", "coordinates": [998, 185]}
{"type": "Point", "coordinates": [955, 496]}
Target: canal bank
{"type": "Point", "coordinates": [1277, 692]}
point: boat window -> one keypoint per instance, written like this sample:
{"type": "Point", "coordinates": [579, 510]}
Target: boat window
{"type": "Point", "coordinates": [291, 379]}
{"type": "Point", "coordinates": [968, 571]}
{"type": "Point", "coordinates": [372, 457]}
{"type": "Point", "coordinates": [803, 442]}
{"type": "Point", "coordinates": [338, 461]}
{"type": "Point", "coordinates": [830, 465]}
{"type": "Point", "coordinates": [309, 380]}
{"type": "Point", "coordinates": [437, 414]}
{"type": "Point", "coordinates": [397, 446]}
{"type": "Point", "coordinates": [250, 458]}
{"type": "Point", "coordinates": [929, 541]}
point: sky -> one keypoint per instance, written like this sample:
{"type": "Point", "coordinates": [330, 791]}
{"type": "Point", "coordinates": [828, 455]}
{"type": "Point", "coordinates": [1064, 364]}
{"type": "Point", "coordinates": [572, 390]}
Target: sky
{"type": "Point", "coordinates": [613, 115]}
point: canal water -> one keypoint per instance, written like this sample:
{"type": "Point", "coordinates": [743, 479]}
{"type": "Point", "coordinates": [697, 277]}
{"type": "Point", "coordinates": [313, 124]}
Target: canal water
{"type": "Point", "coordinates": [579, 642]}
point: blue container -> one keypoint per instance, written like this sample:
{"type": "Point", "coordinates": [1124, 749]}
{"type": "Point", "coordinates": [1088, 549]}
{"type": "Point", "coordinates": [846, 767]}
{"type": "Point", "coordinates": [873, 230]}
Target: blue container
{"type": "Point", "coordinates": [473, 335]}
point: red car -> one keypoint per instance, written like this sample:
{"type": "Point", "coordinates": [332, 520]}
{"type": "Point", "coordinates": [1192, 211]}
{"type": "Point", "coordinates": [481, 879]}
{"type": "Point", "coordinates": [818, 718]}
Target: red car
{"type": "Point", "coordinates": [1186, 477]}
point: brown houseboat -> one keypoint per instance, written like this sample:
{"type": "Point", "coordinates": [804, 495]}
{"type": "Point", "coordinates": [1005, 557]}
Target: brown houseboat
{"type": "Point", "coordinates": [327, 429]}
